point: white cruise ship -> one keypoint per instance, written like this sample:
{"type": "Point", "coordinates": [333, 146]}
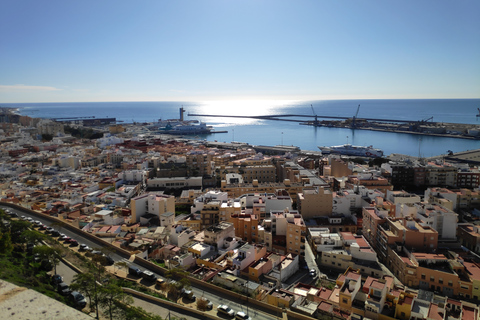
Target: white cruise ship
{"type": "Point", "coordinates": [349, 150]}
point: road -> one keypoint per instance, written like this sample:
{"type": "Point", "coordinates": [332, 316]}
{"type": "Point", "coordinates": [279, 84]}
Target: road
{"type": "Point", "coordinates": [198, 291]}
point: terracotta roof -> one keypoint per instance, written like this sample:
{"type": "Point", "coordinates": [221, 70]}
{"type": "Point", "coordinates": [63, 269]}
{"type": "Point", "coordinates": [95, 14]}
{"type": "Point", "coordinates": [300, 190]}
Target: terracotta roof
{"type": "Point", "coordinates": [468, 313]}
{"type": "Point", "coordinates": [324, 293]}
{"type": "Point", "coordinates": [434, 312]}
{"type": "Point", "coordinates": [325, 306]}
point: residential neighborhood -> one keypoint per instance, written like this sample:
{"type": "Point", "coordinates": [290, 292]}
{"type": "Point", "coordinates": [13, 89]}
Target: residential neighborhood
{"type": "Point", "coordinates": [320, 235]}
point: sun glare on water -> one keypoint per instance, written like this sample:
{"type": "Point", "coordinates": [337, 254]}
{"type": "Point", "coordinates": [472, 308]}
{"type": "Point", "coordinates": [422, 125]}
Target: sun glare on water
{"type": "Point", "coordinates": [242, 108]}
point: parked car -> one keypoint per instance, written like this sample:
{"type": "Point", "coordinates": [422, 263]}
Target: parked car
{"type": "Point", "coordinates": [78, 299]}
{"type": "Point", "coordinates": [55, 233]}
{"type": "Point", "coordinates": [226, 310]}
{"type": "Point", "coordinates": [46, 265]}
{"type": "Point", "coordinates": [242, 316]}
{"type": "Point", "coordinates": [56, 279]}
{"type": "Point", "coordinates": [83, 247]}
{"type": "Point", "coordinates": [148, 275]}
{"type": "Point", "coordinates": [134, 271]}
{"type": "Point", "coordinates": [313, 273]}
{"type": "Point", "coordinates": [42, 227]}
{"type": "Point", "coordinates": [188, 294]}
{"type": "Point", "coordinates": [73, 243]}
{"type": "Point", "coordinates": [63, 289]}
{"type": "Point", "coordinates": [209, 303]}
{"type": "Point", "coordinates": [11, 214]}
{"type": "Point", "coordinates": [159, 281]}
{"type": "Point", "coordinates": [109, 261]}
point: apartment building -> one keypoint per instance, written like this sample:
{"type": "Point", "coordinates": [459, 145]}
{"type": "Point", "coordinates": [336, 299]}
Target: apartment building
{"type": "Point", "coordinates": [354, 253]}
{"type": "Point", "coordinates": [453, 199]}
{"type": "Point", "coordinates": [345, 202]}
{"type": "Point", "coordinates": [430, 271]}
{"type": "Point", "coordinates": [245, 256]}
{"type": "Point", "coordinates": [210, 213]}
{"type": "Point", "coordinates": [284, 232]}
{"type": "Point", "coordinates": [238, 189]}
{"type": "Point", "coordinates": [261, 204]}
{"type": "Point", "coordinates": [443, 220]}
{"type": "Point", "coordinates": [154, 203]}
{"type": "Point", "coordinates": [217, 235]}
{"type": "Point", "coordinates": [468, 178]}
{"type": "Point", "coordinates": [315, 202]}
{"type": "Point", "coordinates": [469, 236]}
{"type": "Point", "coordinates": [371, 219]}
{"type": "Point", "coordinates": [263, 174]}
{"type": "Point", "coordinates": [440, 174]}
{"type": "Point", "coordinates": [406, 231]}
{"type": "Point", "coordinates": [321, 239]}
{"type": "Point", "coordinates": [370, 181]}
{"type": "Point", "coordinates": [246, 227]}
{"type": "Point", "coordinates": [200, 162]}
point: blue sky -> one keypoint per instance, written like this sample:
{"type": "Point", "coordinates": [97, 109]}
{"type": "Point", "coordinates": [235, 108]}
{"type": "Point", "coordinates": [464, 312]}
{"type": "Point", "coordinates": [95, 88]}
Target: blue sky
{"type": "Point", "coordinates": [59, 51]}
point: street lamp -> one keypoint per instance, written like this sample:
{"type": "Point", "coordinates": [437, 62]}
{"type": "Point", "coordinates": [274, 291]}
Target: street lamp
{"type": "Point", "coordinates": [246, 286]}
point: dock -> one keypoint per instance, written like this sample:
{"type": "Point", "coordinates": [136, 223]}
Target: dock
{"type": "Point", "coordinates": [418, 127]}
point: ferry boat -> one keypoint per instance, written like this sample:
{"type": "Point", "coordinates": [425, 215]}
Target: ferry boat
{"type": "Point", "coordinates": [349, 150]}
{"type": "Point", "coordinates": [181, 127]}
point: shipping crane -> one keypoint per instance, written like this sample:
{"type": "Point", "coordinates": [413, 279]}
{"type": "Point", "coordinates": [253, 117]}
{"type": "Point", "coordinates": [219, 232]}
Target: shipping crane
{"type": "Point", "coordinates": [355, 116]}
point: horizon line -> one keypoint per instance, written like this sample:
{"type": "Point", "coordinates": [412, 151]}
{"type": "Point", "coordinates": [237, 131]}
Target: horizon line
{"type": "Point", "coordinates": [239, 99]}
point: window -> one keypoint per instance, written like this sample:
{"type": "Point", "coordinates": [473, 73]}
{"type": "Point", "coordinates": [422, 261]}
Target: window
{"type": "Point", "coordinates": [423, 276]}
{"type": "Point", "coordinates": [440, 280]}
{"type": "Point", "coordinates": [450, 283]}
{"type": "Point", "coordinates": [432, 278]}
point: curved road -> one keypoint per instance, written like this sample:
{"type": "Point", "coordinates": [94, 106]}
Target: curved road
{"type": "Point", "coordinates": [209, 294]}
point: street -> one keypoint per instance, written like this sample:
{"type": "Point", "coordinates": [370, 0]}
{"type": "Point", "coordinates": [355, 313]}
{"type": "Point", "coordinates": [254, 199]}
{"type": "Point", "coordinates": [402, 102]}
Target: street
{"type": "Point", "coordinates": [68, 273]}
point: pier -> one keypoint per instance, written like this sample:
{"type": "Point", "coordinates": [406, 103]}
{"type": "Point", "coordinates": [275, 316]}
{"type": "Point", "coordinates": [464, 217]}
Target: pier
{"type": "Point", "coordinates": [418, 127]}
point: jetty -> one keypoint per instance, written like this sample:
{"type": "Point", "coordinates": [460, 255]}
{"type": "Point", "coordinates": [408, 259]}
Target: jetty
{"type": "Point", "coordinates": [417, 127]}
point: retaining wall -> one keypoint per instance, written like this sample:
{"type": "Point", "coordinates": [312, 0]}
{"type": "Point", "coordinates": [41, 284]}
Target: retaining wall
{"type": "Point", "coordinates": [169, 304]}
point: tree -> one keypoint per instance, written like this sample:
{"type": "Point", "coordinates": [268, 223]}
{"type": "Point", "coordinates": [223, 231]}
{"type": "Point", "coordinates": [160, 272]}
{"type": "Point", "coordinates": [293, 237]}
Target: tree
{"type": "Point", "coordinates": [17, 227]}
{"type": "Point", "coordinates": [175, 288]}
{"type": "Point", "coordinates": [109, 295]}
{"type": "Point", "coordinates": [6, 245]}
{"type": "Point", "coordinates": [85, 283]}
{"type": "Point", "coordinates": [33, 236]}
{"type": "Point", "coordinates": [47, 253]}
{"type": "Point", "coordinates": [202, 304]}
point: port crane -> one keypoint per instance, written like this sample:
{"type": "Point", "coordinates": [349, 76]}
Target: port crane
{"type": "Point", "coordinates": [355, 117]}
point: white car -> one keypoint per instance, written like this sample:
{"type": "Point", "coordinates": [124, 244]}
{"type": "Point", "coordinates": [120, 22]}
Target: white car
{"type": "Point", "coordinates": [226, 310]}
{"type": "Point", "coordinates": [242, 316]}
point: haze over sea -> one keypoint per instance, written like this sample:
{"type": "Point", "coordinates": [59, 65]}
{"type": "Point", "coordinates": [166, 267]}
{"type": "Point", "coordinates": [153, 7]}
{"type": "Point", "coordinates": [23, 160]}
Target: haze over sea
{"type": "Point", "coordinates": [267, 132]}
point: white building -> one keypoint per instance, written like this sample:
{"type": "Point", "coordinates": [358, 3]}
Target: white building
{"type": "Point", "coordinates": [154, 203]}
{"type": "Point", "coordinates": [443, 220]}
{"type": "Point", "coordinates": [212, 195]}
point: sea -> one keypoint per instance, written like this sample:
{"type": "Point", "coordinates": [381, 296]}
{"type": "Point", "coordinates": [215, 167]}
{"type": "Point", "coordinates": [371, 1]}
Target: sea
{"type": "Point", "coordinates": [271, 133]}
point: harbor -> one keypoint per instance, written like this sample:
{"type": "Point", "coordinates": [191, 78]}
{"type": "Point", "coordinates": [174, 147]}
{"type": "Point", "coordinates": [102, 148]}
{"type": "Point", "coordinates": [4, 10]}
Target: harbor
{"type": "Point", "coordinates": [425, 127]}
